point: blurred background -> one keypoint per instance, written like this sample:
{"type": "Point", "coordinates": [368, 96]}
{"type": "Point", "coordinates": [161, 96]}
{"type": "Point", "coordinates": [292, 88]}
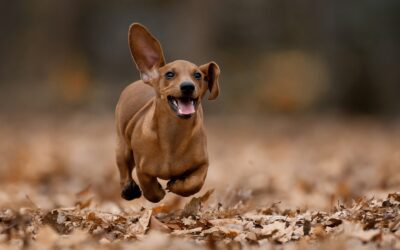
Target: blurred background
{"type": "Point", "coordinates": [307, 115]}
{"type": "Point", "coordinates": [276, 56]}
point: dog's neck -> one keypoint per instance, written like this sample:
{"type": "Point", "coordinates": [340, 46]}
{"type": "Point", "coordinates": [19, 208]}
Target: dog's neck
{"type": "Point", "coordinates": [172, 131]}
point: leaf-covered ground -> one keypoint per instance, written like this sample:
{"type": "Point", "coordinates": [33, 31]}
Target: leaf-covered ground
{"type": "Point", "coordinates": [273, 183]}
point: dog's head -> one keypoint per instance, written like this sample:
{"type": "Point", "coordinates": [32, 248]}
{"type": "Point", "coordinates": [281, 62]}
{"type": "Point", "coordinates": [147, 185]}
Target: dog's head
{"type": "Point", "coordinates": [181, 85]}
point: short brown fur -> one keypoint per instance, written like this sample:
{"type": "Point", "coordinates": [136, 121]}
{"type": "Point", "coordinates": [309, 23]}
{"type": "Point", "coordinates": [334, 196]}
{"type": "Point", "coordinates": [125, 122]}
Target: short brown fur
{"type": "Point", "coordinates": [151, 136]}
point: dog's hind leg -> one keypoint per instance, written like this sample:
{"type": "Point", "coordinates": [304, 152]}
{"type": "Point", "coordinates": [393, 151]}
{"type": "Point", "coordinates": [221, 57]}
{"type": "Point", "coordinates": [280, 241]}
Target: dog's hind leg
{"type": "Point", "coordinates": [152, 189]}
{"type": "Point", "coordinates": [126, 164]}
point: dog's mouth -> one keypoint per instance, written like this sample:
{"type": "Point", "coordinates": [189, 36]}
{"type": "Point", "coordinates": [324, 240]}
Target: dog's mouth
{"type": "Point", "coordinates": [184, 107]}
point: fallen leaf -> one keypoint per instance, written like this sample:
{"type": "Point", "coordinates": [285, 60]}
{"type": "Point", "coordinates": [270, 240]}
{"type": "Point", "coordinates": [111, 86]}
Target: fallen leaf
{"type": "Point", "coordinates": [193, 207]}
{"type": "Point", "coordinates": [158, 225]}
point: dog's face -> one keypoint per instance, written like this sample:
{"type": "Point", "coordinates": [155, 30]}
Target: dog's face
{"type": "Point", "coordinates": [181, 85]}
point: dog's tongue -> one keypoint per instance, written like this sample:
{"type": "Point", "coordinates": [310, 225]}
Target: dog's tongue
{"type": "Point", "coordinates": [185, 107]}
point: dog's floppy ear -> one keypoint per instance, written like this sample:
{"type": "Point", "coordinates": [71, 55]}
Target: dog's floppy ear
{"type": "Point", "coordinates": [146, 52]}
{"type": "Point", "coordinates": [211, 72]}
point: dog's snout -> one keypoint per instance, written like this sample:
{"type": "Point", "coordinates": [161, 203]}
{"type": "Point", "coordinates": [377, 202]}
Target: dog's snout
{"type": "Point", "coordinates": [187, 87]}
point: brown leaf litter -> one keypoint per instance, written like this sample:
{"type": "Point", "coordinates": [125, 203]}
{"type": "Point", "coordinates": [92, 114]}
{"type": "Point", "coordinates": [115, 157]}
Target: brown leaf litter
{"type": "Point", "coordinates": [317, 183]}
{"type": "Point", "coordinates": [370, 221]}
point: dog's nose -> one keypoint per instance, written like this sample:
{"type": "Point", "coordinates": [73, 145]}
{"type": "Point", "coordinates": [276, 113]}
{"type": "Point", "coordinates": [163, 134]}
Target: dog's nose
{"type": "Point", "coordinates": [187, 87]}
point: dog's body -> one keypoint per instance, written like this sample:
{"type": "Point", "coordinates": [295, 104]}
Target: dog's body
{"type": "Point", "coordinates": [160, 122]}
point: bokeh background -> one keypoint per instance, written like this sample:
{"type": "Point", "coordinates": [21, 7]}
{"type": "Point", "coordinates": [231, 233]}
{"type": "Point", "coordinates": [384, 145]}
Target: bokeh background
{"type": "Point", "coordinates": [308, 111]}
{"type": "Point", "coordinates": [307, 117]}
{"type": "Point", "coordinates": [276, 56]}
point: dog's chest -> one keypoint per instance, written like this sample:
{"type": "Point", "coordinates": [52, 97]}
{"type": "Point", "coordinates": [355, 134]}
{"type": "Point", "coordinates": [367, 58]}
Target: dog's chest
{"type": "Point", "coordinates": [165, 160]}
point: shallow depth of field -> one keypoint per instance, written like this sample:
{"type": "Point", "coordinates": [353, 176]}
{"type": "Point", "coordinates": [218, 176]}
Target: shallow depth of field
{"type": "Point", "coordinates": [304, 139]}
{"type": "Point", "coordinates": [275, 182]}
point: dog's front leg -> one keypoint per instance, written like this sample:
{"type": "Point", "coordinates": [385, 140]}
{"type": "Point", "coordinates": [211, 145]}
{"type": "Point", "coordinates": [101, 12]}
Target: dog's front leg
{"type": "Point", "coordinates": [189, 184]}
{"type": "Point", "coordinates": [151, 188]}
{"type": "Point", "coordinates": [126, 163]}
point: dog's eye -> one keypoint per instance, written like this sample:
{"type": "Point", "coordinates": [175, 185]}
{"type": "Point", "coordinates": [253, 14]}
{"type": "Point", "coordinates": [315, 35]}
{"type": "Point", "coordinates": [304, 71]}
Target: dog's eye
{"type": "Point", "coordinates": [197, 75]}
{"type": "Point", "coordinates": [169, 75]}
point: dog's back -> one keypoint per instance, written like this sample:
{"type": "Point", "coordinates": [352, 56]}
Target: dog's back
{"type": "Point", "coordinates": [133, 98]}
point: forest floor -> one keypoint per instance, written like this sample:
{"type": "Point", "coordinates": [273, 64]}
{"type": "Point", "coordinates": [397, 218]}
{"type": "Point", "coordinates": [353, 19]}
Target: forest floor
{"type": "Point", "coordinates": [273, 183]}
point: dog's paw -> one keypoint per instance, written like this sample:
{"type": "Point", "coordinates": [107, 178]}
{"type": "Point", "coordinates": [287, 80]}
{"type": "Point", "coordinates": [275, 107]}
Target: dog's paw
{"type": "Point", "coordinates": [170, 185]}
{"type": "Point", "coordinates": [183, 187]}
{"type": "Point", "coordinates": [131, 191]}
{"type": "Point", "coordinates": [176, 186]}
{"type": "Point", "coordinates": [156, 196]}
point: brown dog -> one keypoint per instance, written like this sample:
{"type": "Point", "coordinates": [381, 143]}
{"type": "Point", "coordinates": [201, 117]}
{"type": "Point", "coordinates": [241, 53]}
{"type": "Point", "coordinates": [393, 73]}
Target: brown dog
{"type": "Point", "coordinates": [160, 122]}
